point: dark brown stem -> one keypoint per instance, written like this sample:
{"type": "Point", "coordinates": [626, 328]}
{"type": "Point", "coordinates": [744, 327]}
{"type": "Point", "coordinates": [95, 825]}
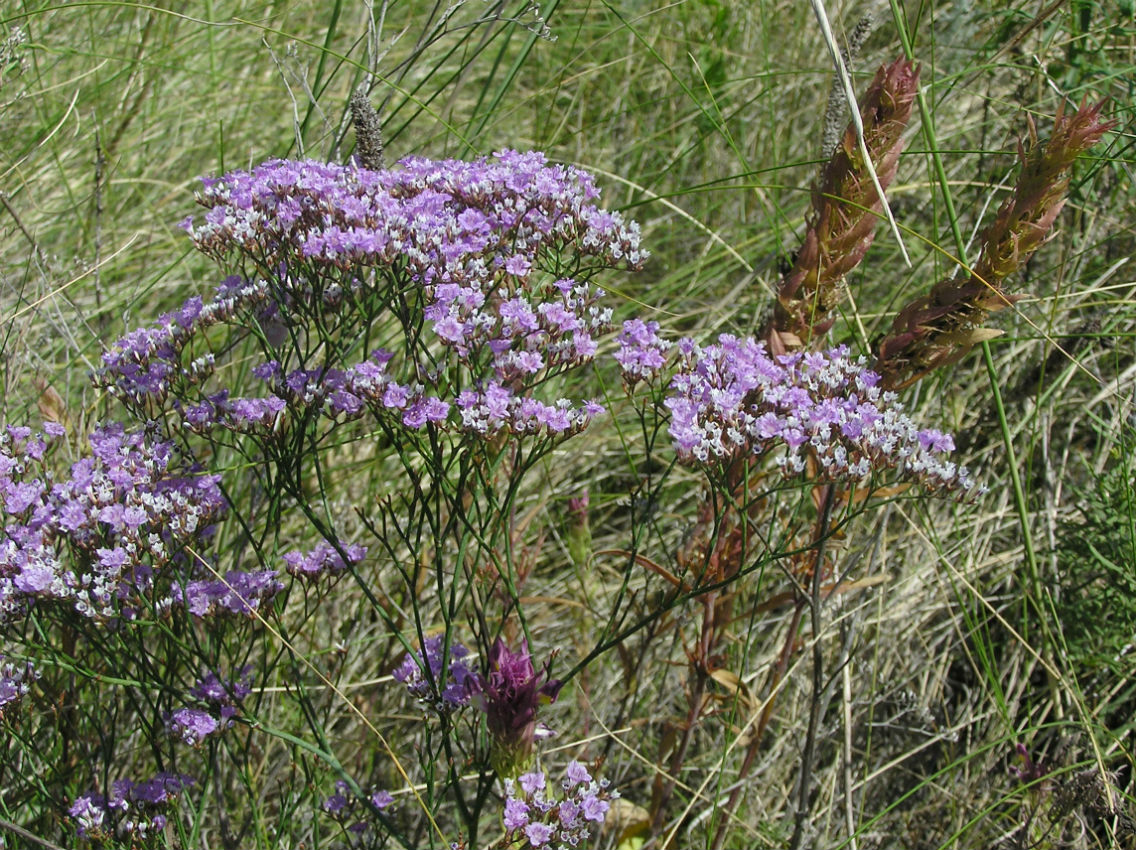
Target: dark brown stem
{"type": "Point", "coordinates": [818, 675]}
{"type": "Point", "coordinates": [664, 784]}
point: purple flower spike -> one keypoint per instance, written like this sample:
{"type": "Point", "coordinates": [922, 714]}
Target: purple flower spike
{"type": "Point", "coordinates": [513, 692]}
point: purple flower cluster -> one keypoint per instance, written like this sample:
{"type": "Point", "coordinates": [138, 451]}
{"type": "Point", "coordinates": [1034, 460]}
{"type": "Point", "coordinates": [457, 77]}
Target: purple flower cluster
{"type": "Point", "coordinates": [731, 400]}
{"type": "Point", "coordinates": [193, 725]}
{"type": "Point", "coordinates": [146, 364]}
{"type": "Point", "coordinates": [336, 393]}
{"type": "Point", "coordinates": [214, 690]}
{"type": "Point", "coordinates": [15, 682]}
{"type": "Point", "coordinates": [461, 681]}
{"type": "Point", "coordinates": [512, 692]}
{"type": "Point", "coordinates": [481, 242]}
{"type": "Point", "coordinates": [447, 221]}
{"type": "Point", "coordinates": [345, 806]}
{"type": "Point", "coordinates": [133, 810]}
{"type": "Point", "coordinates": [533, 817]}
{"type": "Point", "coordinates": [642, 352]}
{"type": "Point", "coordinates": [236, 592]}
{"type": "Point", "coordinates": [340, 802]}
{"type": "Point", "coordinates": [495, 407]}
{"type": "Point", "coordinates": [247, 592]}
{"type": "Point", "coordinates": [102, 538]}
{"type": "Point", "coordinates": [324, 558]}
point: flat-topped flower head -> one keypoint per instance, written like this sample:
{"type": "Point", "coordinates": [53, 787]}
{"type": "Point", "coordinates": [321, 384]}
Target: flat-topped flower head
{"type": "Point", "coordinates": [732, 399]}
{"type": "Point", "coordinates": [495, 256]}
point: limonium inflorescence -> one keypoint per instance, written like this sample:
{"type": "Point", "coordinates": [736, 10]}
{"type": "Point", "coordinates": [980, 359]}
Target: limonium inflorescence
{"type": "Point", "coordinates": [485, 265]}
{"type": "Point", "coordinates": [354, 812]}
{"type": "Point", "coordinates": [15, 682]}
{"type": "Point", "coordinates": [324, 558]}
{"type": "Point", "coordinates": [642, 353]}
{"type": "Point", "coordinates": [731, 400]}
{"type": "Point", "coordinates": [109, 538]}
{"type": "Point", "coordinates": [457, 680]}
{"type": "Point", "coordinates": [132, 811]}
{"type": "Point", "coordinates": [535, 815]}
{"type": "Point", "coordinates": [221, 698]}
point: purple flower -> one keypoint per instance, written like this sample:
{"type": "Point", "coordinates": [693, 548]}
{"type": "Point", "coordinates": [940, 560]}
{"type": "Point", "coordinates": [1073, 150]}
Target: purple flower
{"type": "Point", "coordinates": [468, 234]}
{"type": "Point", "coordinates": [162, 788]}
{"type": "Point", "coordinates": [642, 352]}
{"type": "Point", "coordinates": [577, 774]}
{"type": "Point", "coordinates": [518, 265]}
{"type": "Point", "coordinates": [237, 593]}
{"type": "Point", "coordinates": [90, 814]}
{"type": "Point", "coordinates": [538, 834]}
{"type": "Point", "coordinates": [532, 782]}
{"type": "Point", "coordinates": [1030, 771]}
{"type": "Point", "coordinates": [216, 691]}
{"type": "Point", "coordinates": [516, 813]}
{"type": "Point", "coordinates": [461, 682]}
{"type": "Point", "coordinates": [531, 814]}
{"type": "Point", "coordinates": [15, 683]}
{"type": "Point", "coordinates": [324, 558]}
{"type": "Point", "coordinates": [594, 808]}
{"type": "Point", "coordinates": [21, 495]}
{"type": "Point", "coordinates": [731, 400]}
{"type": "Point", "coordinates": [513, 690]}
{"type": "Point", "coordinates": [102, 538]}
{"type": "Point", "coordinates": [345, 806]}
{"type": "Point", "coordinates": [132, 811]}
{"type": "Point", "coordinates": [267, 371]}
{"type": "Point", "coordinates": [335, 804]}
{"type": "Point", "coordinates": [192, 726]}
